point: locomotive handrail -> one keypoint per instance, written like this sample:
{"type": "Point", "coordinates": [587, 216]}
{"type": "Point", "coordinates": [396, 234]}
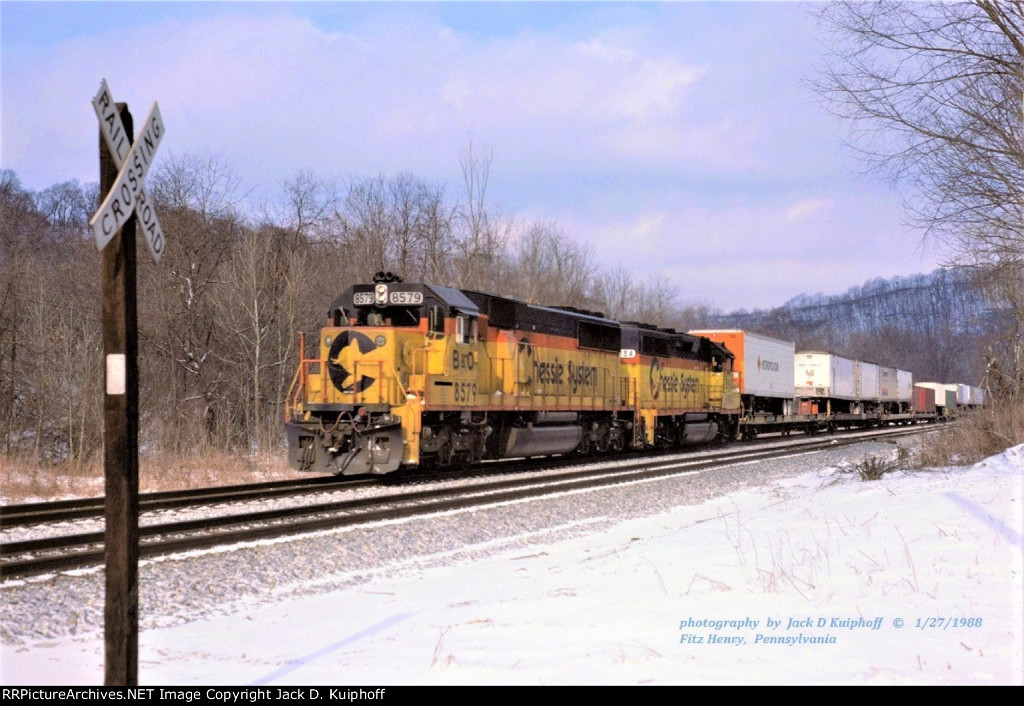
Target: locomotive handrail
{"type": "Point", "coordinates": [402, 389]}
{"type": "Point", "coordinates": [290, 402]}
{"type": "Point", "coordinates": [486, 372]}
{"type": "Point", "coordinates": [298, 382]}
{"type": "Point", "coordinates": [388, 382]}
{"type": "Point", "coordinates": [423, 350]}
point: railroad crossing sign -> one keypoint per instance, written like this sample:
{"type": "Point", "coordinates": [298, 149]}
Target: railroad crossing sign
{"type": "Point", "coordinates": [128, 194]}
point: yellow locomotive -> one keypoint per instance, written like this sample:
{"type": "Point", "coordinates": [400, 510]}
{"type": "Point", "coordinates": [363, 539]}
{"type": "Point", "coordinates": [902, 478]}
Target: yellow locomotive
{"type": "Point", "coordinates": [417, 374]}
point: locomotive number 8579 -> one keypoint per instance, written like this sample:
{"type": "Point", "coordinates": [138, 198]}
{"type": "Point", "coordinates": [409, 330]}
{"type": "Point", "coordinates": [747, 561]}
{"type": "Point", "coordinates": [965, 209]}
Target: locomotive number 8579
{"type": "Point", "coordinates": [418, 374]}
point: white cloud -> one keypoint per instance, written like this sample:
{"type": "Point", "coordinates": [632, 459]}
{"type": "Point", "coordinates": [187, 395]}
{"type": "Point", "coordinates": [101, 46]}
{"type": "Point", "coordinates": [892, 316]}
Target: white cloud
{"type": "Point", "coordinates": [281, 94]}
{"type": "Point", "coordinates": [557, 90]}
{"type": "Point", "coordinates": [637, 239]}
{"type": "Point", "coordinates": [806, 207]}
{"type": "Point", "coordinates": [756, 255]}
{"type": "Point", "coordinates": [680, 143]}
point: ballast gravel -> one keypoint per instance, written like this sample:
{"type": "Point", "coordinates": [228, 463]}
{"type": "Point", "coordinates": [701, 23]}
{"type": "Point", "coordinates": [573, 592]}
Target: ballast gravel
{"type": "Point", "coordinates": [197, 585]}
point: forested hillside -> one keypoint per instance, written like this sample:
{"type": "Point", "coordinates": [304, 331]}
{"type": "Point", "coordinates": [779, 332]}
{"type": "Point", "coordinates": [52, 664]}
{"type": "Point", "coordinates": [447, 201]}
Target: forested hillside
{"type": "Point", "coordinates": [219, 318]}
{"type": "Point", "coordinates": [937, 325]}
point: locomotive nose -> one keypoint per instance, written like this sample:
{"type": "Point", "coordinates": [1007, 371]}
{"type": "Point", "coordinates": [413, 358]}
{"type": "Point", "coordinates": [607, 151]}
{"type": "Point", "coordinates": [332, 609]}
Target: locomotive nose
{"type": "Point", "coordinates": [347, 350]}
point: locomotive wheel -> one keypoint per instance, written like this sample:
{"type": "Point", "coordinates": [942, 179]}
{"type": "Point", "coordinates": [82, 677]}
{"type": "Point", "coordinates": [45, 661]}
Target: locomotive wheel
{"type": "Point", "coordinates": [615, 441]}
{"type": "Point", "coordinates": [586, 447]}
{"type": "Point", "coordinates": [444, 451]}
{"type": "Point", "coordinates": [461, 461]}
{"type": "Point", "coordinates": [445, 454]}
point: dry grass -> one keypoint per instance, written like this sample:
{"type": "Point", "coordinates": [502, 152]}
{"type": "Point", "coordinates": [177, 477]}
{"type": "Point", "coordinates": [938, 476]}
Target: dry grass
{"type": "Point", "coordinates": [965, 441]}
{"type": "Point", "coordinates": [874, 467]}
{"type": "Point", "coordinates": [972, 438]}
{"type": "Point", "coordinates": [212, 469]}
{"type": "Point", "coordinates": [27, 481]}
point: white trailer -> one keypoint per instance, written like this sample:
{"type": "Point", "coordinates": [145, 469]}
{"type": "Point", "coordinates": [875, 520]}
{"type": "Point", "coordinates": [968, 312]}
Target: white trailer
{"type": "Point", "coordinates": [865, 380]}
{"type": "Point", "coordinates": [904, 389]}
{"type": "Point", "coordinates": [820, 375]}
{"type": "Point", "coordinates": [764, 365]}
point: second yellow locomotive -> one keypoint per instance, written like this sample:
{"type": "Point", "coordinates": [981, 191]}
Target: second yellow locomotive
{"type": "Point", "coordinates": [416, 374]}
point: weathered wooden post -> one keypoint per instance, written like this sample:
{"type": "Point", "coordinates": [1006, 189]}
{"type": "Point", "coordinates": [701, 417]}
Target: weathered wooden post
{"type": "Point", "coordinates": [123, 166]}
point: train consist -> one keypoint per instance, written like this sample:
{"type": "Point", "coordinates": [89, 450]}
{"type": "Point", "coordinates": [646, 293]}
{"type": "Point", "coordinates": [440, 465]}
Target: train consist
{"type": "Point", "coordinates": [785, 390]}
{"type": "Point", "coordinates": [411, 374]}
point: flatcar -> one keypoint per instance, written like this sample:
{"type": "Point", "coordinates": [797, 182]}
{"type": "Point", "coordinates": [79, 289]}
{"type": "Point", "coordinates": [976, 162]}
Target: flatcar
{"type": "Point", "coordinates": [415, 374]}
{"type": "Point", "coordinates": [785, 390]}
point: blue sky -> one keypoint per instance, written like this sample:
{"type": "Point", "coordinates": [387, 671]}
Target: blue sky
{"type": "Point", "coordinates": [676, 138]}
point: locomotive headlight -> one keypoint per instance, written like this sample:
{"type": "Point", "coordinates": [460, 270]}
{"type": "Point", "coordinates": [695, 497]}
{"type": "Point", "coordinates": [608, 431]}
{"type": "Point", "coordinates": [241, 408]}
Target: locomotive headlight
{"type": "Point", "coordinates": [380, 294]}
{"type": "Point", "coordinates": [327, 341]}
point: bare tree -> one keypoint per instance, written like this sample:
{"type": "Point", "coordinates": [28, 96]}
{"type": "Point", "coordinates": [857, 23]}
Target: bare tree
{"type": "Point", "coordinates": [249, 305]}
{"type": "Point", "coordinates": [310, 203]}
{"type": "Point", "coordinates": [481, 241]}
{"type": "Point", "coordinates": [399, 223]}
{"type": "Point", "coordinates": [198, 198]}
{"type": "Point", "coordinates": [435, 222]}
{"type": "Point", "coordinates": [616, 292]}
{"type": "Point", "coordinates": [22, 235]}
{"type": "Point", "coordinates": [933, 94]}
{"type": "Point", "coordinates": [549, 268]}
{"type": "Point", "coordinates": [653, 301]}
{"type": "Point", "coordinates": [367, 227]}
{"type": "Point", "coordinates": [532, 265]}
{"type": "Point", "coordinates": [49, 349]}
{"type": "Point", "coordinates": [66, 206]}
{"type": "Point", "coordinates": [656, 300]}
{"type": "Point", "coordinates": [405, 192]}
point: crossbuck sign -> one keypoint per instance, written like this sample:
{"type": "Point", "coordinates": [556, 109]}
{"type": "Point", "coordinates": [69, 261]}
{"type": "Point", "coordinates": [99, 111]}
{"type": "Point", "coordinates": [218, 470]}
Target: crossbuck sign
{"type": "Point", "coordinates": [128, 194]}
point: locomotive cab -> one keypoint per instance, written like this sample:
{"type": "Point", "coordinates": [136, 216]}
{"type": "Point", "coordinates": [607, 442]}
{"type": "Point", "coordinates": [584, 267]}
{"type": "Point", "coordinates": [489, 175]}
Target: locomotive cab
{"type": "Point", "coordinates": [356, 403]}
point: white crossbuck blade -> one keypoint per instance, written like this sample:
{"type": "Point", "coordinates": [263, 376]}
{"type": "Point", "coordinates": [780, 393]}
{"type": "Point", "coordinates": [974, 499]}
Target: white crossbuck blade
{"type": "Point", "coordinates": [128, 194]}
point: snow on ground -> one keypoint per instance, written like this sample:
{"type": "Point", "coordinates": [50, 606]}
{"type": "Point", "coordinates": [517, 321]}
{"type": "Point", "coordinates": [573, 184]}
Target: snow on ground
{"type": "Point", "coordinates": [818, 579]}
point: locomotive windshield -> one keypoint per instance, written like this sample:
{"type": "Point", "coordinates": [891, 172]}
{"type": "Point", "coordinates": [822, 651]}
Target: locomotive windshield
{"type": "Point", "coordinates": [388, 316]}
{"type": "Point", "coordinates": [406, 305]}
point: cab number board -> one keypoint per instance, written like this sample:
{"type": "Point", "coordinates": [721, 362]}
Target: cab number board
{"type": "Point", "coordinates": [406, 298]}
{"type": "Point", "coordinates": [395, 298]}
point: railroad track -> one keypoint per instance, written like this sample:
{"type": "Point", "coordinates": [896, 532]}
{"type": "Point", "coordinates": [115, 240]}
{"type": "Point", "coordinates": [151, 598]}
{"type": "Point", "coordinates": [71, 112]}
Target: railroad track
{"type": "Point", "coordinates": [26, 514]}
{"type": "Point", "coordinates": [53, 554]}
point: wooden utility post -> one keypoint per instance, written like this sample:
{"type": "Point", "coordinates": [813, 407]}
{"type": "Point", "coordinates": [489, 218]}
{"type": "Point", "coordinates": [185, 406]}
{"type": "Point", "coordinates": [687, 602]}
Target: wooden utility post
{"type": "Point", "coordinates": [120, 437]}
{"type": "Point", "coordinates": [124, 163]}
